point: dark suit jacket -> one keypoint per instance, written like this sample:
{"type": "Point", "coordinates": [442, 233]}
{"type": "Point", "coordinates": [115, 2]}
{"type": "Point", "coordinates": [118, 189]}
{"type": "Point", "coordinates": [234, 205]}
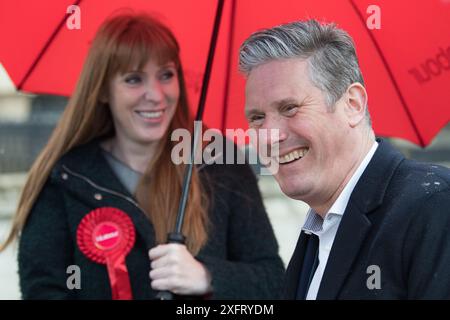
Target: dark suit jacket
{"type": "Point", "coordinates": [397, 219]}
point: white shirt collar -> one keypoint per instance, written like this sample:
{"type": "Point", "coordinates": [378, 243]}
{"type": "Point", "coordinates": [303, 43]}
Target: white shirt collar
{"type": "Point", "coordinates": [313, 222]}
{"type": "Point", "coordinates": [341, 202]}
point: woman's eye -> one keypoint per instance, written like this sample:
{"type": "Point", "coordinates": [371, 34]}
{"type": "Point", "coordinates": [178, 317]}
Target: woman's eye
{"type": "Point", "coordinates": [133, 79]}
{"type": "Point", "coordinates": [167, 75]}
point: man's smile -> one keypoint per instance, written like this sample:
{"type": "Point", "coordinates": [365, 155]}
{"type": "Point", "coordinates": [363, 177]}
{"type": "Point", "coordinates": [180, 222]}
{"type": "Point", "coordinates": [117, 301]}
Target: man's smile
{"type": "Point", "coordinates": [293, 155]}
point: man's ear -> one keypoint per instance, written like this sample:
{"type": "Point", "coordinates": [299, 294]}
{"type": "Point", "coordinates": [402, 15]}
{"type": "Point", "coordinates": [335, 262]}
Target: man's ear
{"type": "Point", "coordinates": [355, 103]}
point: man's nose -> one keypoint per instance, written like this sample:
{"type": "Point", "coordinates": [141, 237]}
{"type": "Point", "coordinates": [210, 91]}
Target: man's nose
{"type": "Point", "coordinates": [274, 131]}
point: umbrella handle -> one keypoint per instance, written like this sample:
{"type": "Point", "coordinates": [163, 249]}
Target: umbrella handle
{"type": "Point", "coordinates": [172, 237]}
{"type": "Point", "coordinates": [176, 236]}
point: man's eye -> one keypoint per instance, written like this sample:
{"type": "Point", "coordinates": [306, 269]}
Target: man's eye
{"type": "Point", "coordinates": [133, 79]}
{"type": "Point", "coordinates": [290, 110]}
{"type": "Point", "coordinates": [256, 119]}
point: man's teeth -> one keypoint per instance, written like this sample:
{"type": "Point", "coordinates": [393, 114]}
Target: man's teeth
{"type": "Point", "coordinates": [150, 115]}
{"type": "Point", "coordinates": [294, 155]}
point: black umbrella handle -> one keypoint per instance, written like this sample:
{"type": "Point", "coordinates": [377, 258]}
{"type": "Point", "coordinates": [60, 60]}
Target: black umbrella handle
{"type": "Point", "coordinates": [172, 237]}
{"type": "Point", "coordinates": [176, 236]}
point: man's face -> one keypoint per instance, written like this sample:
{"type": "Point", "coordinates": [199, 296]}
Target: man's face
{"type": "Point", "coordinates": [313, 146]}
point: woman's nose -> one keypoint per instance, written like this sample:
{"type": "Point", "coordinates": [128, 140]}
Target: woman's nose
{"type": "Point", "coordinates": [153, 92]}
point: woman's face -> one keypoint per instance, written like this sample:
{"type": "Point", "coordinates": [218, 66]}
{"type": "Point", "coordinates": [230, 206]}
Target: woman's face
{"type": "Point", "coordinates": [143, 102]}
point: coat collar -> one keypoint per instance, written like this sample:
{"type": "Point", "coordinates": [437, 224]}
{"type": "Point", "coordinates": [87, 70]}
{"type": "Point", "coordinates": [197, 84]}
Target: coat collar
{"type": "Point", "coordinates": [88, 160]}
{"type": "Point", "coordinates": [90, 173]}
{"type": "Point", "coordinates": [355, 225]}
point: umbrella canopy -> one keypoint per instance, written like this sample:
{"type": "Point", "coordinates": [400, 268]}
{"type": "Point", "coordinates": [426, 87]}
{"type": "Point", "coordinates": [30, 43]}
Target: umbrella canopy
{"type": "Point", "coordinates": [405, 63]}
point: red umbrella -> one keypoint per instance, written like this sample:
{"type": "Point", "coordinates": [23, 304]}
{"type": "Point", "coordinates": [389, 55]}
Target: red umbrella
{"type": "Point", "coordinates": [406, 63]}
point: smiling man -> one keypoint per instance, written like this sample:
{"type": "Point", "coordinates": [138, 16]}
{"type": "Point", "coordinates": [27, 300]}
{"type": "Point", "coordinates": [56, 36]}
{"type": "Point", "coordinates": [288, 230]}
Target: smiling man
{"type": "Point", "coordinates": [378, 226]}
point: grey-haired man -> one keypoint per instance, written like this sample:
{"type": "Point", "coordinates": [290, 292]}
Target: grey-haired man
{"type": "Point", "coordinates": [379, 225]}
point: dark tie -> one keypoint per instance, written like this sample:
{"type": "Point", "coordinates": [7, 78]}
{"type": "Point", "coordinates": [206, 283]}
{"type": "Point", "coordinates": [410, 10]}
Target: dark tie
{"type": "Point", "coordinates": [310, 262]}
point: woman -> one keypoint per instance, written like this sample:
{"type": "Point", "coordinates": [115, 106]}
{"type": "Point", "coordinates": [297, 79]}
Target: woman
{"type": "Point", "coordinates": [112, 150]}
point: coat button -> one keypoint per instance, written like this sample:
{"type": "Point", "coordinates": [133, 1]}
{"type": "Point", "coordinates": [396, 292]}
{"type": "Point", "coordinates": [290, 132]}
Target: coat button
{"type": "Point", "coordinates": [98, 196]}
{"type": "Point", "coordinates": [65, 176]}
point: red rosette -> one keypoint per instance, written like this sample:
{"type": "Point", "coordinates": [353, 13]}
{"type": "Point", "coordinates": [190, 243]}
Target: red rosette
{"type": "Point", "coordinates": [106, 235]}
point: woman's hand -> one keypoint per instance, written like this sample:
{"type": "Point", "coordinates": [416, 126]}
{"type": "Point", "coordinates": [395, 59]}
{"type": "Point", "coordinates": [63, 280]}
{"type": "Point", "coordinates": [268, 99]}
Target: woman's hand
{"type": "Point", "coordinates": [175, 269]}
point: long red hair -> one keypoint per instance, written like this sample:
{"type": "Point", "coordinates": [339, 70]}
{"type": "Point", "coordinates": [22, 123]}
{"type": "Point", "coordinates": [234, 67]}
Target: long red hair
{"type": "Point", "coordinates": [121, 42]}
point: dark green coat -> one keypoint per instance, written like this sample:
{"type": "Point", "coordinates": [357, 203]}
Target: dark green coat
{"type": "Point", "coordinates": [241, 253]}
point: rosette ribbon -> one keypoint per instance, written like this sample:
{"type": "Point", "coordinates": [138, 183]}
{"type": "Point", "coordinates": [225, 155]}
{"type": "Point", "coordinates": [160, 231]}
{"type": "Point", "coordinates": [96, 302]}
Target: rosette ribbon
{"type": "Point", "coordinates": [106, 236]}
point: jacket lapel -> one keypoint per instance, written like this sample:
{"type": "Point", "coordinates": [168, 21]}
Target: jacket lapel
{"type": "Point", "coordinates": [349, 238]}
{"type": "Point", "coordinates": [355, 224]}
{"type": "Point", "coordinates": [292, 276]}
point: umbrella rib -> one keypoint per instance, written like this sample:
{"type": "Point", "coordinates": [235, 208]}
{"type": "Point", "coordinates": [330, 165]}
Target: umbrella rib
{"type": "Point", "coordinates": [199, 117]}
{"type": "Point", "coordinates": [228, 64]}
{"type": "Point", "coordinates": [391, 75]}
{"type": "Point", "coordinates": [43, 50]}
